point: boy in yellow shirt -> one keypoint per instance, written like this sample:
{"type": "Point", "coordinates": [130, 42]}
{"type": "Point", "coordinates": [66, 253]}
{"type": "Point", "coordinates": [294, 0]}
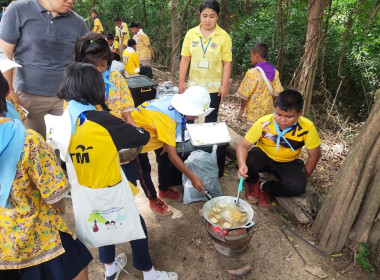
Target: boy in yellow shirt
{"type": "Point", "coordinates": [114, 47]}
{"type": "Point", "coordinates": [96, 24]}
{"type": "Point", "coordinates": [121, 31]}
{"type": "Point", "coordinates": [163, 119]}
{"type": "Point", "coordinates": [144, 49]}
{"type": "Point", "coordinates": [131, 62]}
{"type": "Point", "coordinates": [274, 144]}
{"type": "Point", "coordinates": [259, 87]}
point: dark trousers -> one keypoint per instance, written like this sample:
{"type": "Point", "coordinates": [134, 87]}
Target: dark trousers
{"type": "Point", "coordinates": [146, 71]}
{"type": "Point", "coordinates": [131, 172]}
{"type": "Point", "coordinates": [215, 102]}
{"type": "Point", "coordinates": [164, 173]}
{"type": "Point", "coordinates": [291, 175]}
{"type": "Point", "coordinates": [140, 252]}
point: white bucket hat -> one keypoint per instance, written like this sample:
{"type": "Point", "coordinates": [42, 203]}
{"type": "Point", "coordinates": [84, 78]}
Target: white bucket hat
{"type": "Point", "coordinates": [195, 101]}
{"type": "Point", "coordinates": [5, 63]}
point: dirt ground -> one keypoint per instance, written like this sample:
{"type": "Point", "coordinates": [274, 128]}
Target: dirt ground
{"type": "Point", "coordinates": [180, 243]}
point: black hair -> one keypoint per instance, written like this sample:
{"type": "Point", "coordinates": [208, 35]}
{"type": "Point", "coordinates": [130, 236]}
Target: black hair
{"type": "Point", "coordinates": [94, 11]}
{"type": "Point", "coordinates": [261, 49]}
{"type": "Point", "coordinates": [138, 25]}
{"type": "Point", "coordinates": [210, 4]}
{"type": "Point", "coordinates": [83, 83]}
{"type": "Point", "coordinates": [131, 43]}
{"type": "Point", "coordinates": [110, 36]}
{"type": "Point", "coordinates": [117, 19]}
{"type": "Point", "coordinates": [4, 89]}
{"type": "Point", "coordinates": [92, 48]}
{"type": "Point", "coordinates": [289, 99]}
{"type": "Point", "coordinates": [133, 24]}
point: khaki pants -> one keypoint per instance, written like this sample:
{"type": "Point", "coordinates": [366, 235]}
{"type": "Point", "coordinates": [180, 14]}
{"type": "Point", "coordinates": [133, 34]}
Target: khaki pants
{"type": "Point", "coordinates": [145, 62]}
{"type": "Point", "coordinates": [38, 106]}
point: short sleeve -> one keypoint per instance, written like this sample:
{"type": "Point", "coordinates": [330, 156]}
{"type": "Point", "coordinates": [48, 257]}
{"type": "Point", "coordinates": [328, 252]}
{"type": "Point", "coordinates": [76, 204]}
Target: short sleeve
{"type": "Point", "coordinates": [186, 46]}
{"type": "Point", "coordinates": [312, 140]}
{"type": "Point", "coordinates": [254, 133]}
{"type": "Point", "coordinates": [227, 48]}
{"type": "Point", "coordinates": [10, 31]}
{"type": "Point", "coordinates": [248, 85]}
{"type": "Point", "coordinates": [44, 171]}
{"type": "Point", "coordinates": [166, 130]}
{"type": "Point", "coordinates": [277, 87]}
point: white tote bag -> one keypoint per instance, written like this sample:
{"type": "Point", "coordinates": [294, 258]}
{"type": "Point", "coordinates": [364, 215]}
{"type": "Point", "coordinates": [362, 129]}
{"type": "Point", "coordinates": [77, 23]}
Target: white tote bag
{"type": "Point", "coordinates": [103, 216]}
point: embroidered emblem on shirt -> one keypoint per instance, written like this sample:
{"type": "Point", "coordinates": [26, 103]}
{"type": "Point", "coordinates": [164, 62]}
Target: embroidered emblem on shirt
{"type": "Point", "coordinates": [213, 45]}
{"type": "Point", "coordinates": [195, 44]}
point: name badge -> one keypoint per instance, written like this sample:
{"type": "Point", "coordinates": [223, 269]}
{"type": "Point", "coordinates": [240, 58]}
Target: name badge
{"type": "Point", "coordinates": [204, 64]}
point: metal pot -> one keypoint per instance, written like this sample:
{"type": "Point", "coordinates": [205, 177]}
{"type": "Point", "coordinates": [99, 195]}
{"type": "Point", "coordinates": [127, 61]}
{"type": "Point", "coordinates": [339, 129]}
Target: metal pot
{"type": "Point", "coordinates": [127, 155]}
{"type": "Point", "coordinates": [252, 220]}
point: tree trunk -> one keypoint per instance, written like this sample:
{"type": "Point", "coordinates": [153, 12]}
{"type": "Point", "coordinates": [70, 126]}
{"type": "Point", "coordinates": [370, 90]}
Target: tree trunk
{"type": "Point", "coordinates": [176, 25]}
{"type": "Point", "coordinates": [350, 22]}
{"type": "Point", "coordinates": [304, 76]}
{"type": "Point", "coordinates": [350, 213]}
{"type": "Point", "coordinates": [144, 12]}
{"type": "Point", "coordinates": [282, 21]}
{"type": "Point", "coordinates": [176, 37]}
{"type": "Point", "coordinates": [225, 14]}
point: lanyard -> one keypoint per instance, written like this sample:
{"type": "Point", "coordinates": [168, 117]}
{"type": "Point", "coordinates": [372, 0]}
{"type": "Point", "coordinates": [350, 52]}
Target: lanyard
{"type": "Point", "coordinates": [120, 28]}
{"type": "Point", "coordinates": [203, 49]}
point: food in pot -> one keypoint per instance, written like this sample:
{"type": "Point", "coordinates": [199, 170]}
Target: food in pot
{"type": "Point", "coordinates": [227, 215]}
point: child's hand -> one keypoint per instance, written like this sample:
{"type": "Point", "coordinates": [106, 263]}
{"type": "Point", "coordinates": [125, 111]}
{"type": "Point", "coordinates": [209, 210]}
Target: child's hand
{"type": "Point", "coordinates": [242, 172]}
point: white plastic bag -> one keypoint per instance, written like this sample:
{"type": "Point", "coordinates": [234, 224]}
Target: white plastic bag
{"type": "Point", "coordinates": [205, 166]}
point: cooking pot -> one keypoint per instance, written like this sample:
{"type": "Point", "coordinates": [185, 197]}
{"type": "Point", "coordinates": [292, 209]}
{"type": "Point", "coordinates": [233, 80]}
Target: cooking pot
{"type": "Point", "coordinates": [252, 218]}
{"type": "Point", "coordinates": [127, 155]}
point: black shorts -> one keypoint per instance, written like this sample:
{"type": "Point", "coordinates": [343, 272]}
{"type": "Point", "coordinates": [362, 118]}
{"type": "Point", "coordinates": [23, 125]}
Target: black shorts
{"type": "Point", "coordinates": [64, 267]}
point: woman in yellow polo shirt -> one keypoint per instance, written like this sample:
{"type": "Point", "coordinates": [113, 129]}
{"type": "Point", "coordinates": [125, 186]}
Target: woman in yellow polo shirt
{"type": "Point", "coordinates": [207, 48]}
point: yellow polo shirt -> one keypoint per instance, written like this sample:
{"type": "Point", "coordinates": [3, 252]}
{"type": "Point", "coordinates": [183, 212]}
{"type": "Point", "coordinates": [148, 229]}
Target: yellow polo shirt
{"type": "Point", "coordinates": [160, 127]}
{"type": "Point", "coordinates": [125, 31]}
{"type": "Point", "coordinates": [97, 23]}
{"type": "Point", "coordinates": [131, 62]}
{"type": "Point", "coordinates": [264, 134]}
{"type": "Point", "coordinates": [219, 49]}
{"type": "Point", "coordinates": [142, 40]}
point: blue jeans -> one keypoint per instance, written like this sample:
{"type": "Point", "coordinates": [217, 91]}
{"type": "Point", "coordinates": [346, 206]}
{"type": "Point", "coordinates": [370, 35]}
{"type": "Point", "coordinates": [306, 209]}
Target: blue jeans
{"type": "Point", "coordinates": [140, 252]}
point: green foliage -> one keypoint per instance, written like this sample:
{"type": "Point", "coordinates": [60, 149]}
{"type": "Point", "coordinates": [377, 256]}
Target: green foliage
{"type": "Point", "coordinates": [96, 216]}
{"type": "Point", "coordinates": [362, 257]}
{"type": "Point", "coordinates": [360, 71]}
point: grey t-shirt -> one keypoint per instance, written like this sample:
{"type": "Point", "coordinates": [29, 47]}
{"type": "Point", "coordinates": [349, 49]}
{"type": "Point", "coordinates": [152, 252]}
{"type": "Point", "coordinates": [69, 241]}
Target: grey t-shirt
{"type": "Point", "coordinates": [44, 45]}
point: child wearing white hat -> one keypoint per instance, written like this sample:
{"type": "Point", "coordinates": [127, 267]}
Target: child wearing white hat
{"type": "Point", "coordinates": [163, 119]}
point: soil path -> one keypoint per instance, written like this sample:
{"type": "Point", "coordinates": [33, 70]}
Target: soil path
{"type": "Point", "coordinates": [180, 243]}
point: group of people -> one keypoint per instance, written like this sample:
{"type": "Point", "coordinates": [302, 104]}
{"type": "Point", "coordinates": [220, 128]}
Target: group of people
{"type": "Point", "coordinates": [135, 53]}
{"type": "Point", "coordinates": [69, 69]}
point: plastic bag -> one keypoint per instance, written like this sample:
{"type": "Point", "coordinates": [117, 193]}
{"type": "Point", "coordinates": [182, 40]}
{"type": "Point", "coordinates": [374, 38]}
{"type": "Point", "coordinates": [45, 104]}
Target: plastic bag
{"type": "Point", "coordinates": [205, 166]}
{"type": "Point", "coordinates": [166, 89]}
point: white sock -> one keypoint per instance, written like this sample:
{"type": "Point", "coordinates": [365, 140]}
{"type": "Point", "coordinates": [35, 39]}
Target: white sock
{"type": "Point", "coordinates": [150, 275]}
{"type": "Point", "coordinates": [111, 269]}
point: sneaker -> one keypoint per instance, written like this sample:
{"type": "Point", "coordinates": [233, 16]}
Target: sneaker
{"type": "Point", "coordinates": [163, 275]}
{"type": "Point", "coordinates": [170, 194]}
{"type": "Point", "coordinates": [121, 261]}
{"type": "Point", "coordinates": [252, 194]}
{"type": "Point", "coordinates": [264, 201]}
{"type": "Point", "coordinates": [160, 207]}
